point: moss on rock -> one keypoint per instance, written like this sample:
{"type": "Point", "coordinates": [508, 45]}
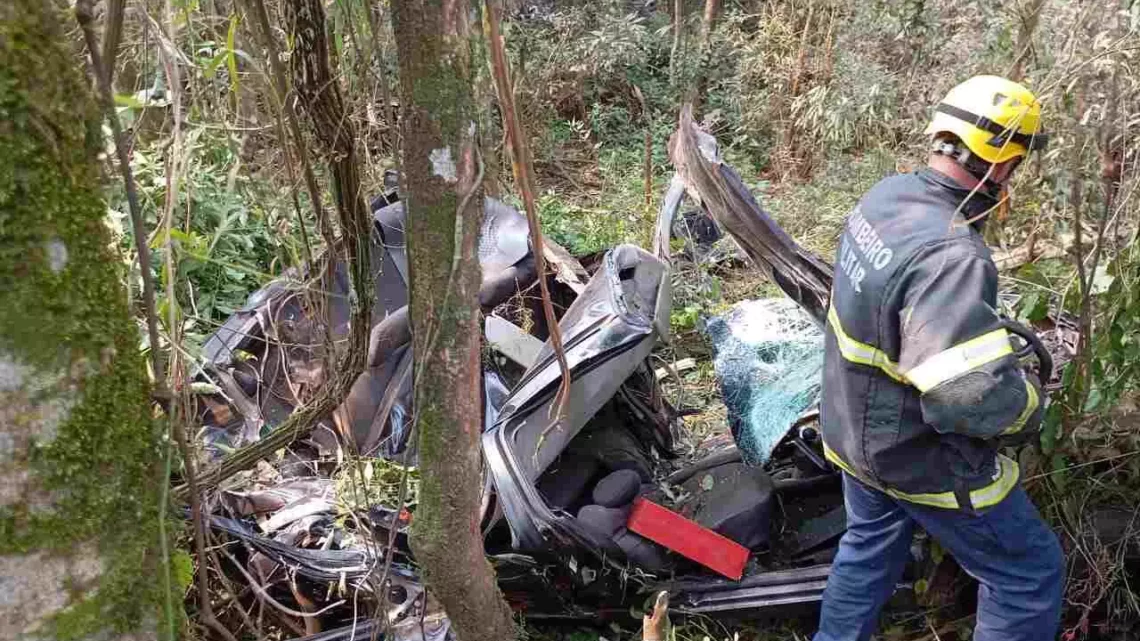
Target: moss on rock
{"type": "Point", "coordinates": [80, 453]}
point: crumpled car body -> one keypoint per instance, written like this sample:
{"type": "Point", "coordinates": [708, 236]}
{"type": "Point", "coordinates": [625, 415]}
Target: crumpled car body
{"type": "Point", "coordinates": [559, 478]}
{"type": "Point", "coordinates": [540, 468]}
{"type": "Point", "coordinates": [547, 486]}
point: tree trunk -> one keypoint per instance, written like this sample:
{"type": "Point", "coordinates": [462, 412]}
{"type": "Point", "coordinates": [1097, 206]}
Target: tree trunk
{"type": "Point", "coordinates": [1023, 45]}
{"type": "Point", "coordinates": [80, 456]}
{"type": "Point", "coordinates": [675, 52]}
{"type": "Point", "coordinates": [439, 53]}
{"type": "Point", "coordinates": [708, 21]}
{"type": "Point", "coordinates": [699, 87]}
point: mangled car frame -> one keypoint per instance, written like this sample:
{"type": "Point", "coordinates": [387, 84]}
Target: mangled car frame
{"type": "Point", "coordinates": [576, 520]}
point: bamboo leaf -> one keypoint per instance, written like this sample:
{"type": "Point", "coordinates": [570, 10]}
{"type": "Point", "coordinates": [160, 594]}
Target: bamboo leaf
{"type": "Point", "coordinates": [128, 100]}
{"type": "Point", "coordinates": [231, 56]}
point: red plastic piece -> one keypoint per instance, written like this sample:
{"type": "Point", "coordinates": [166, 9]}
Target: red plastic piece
{"type": "Point", "coordinates": [688, 538]}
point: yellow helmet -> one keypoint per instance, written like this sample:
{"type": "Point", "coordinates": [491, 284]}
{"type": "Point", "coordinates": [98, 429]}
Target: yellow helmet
{"type": "Point", "coordinates": [997, 119]}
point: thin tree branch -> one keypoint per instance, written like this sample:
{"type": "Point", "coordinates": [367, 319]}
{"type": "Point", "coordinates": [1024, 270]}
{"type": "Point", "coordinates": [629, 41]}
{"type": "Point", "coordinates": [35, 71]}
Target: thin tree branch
{"type": "Point", "coordinates": [524, 177]}
{"type": "Point", "coordinates": [320, 95]}
{"type": "Point", "coordinates": [648, 171]}
{"type": "Point", "coordinates": [264, 595]}
{"type": "Point", "coordinates": [112, 36]}
{"type": "Point", "coordinates": [387, 111]}
{"type": "Point", "coordinates": [178, 406]}
{"type": "Point", "coordinates": [797, 74]}
{"type": "Point", "coordinates": [678, 42]}
{"type": "Point", "coordinates": [284, 138]}
{"type": "Point", "coordinates": [228, 586]}
{"type": "Point", "coordinates": [84, 15]}
{"type": "Point", "coordinates": [280, 85]}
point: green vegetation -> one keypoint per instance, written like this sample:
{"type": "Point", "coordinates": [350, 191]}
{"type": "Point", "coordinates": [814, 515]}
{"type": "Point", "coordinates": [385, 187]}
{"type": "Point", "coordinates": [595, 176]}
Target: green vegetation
{"type": "Point", "coordinates": [232, 233]}
{"type": "Point", "coordinates": [812, 102]}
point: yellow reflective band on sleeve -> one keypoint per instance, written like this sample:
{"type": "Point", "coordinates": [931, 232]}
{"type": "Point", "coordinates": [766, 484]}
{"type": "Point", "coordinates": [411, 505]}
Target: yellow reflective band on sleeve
{"type": "Point", "coordinates": [862, 353]}
{"type": "Point", "coordinates": [1004, 482]}
{"type": "Point", "coordinates": [960, 359]}
{"type": "Point", "coordinates": [1031, 403]}
{"type": "Point", "coordinates": [1007, 475]}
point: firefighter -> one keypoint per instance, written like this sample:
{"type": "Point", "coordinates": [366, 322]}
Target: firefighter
{"type": "Point", "coordinates": [921, 386]}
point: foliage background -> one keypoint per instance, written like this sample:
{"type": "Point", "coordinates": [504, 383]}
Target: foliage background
{"type": "Point", "coordinates": [813, 101]}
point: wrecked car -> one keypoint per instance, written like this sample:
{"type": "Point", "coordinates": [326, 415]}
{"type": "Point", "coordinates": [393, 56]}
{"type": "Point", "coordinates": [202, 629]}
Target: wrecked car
{"type": "Point", "coordinates": [576, 513]}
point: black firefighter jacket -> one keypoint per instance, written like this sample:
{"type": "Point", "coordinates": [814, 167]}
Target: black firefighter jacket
{"type": "Point", "coordinates": [920, 379]}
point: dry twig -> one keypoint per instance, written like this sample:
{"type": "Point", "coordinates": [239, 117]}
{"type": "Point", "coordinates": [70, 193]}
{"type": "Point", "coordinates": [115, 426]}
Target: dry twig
{"type": "Point", "coordinates": [264, 595]}
{"type": "Point", "coordinates": [112, 36]}
{"type": "Point", "coordinates": [284, 104]}
{"type": "Point", "coordinates": [522, 166]}
{"type": "Point", "coordinates": [178, 405]}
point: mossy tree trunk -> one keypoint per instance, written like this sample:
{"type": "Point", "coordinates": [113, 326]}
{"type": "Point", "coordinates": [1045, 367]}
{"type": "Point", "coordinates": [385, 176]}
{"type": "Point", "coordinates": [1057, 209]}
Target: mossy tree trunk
{"type": "Point", "coordinates": [80, 456]}
{"type": "Point", "coordinates": [440, 53]}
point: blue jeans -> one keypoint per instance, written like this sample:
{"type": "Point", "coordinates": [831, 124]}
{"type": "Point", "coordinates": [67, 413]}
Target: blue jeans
{"type": "Point", "coordinates": [1008, 548]}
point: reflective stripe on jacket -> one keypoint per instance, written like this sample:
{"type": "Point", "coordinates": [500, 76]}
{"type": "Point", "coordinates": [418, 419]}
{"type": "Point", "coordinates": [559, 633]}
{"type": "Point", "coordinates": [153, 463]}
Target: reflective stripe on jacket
{"type": "Point", "coordinates": [919, 376]}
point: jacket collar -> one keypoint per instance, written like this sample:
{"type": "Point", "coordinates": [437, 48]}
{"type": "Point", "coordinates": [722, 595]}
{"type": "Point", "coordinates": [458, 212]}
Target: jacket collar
{"type": "Point", "coordinates": [976, 205]}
